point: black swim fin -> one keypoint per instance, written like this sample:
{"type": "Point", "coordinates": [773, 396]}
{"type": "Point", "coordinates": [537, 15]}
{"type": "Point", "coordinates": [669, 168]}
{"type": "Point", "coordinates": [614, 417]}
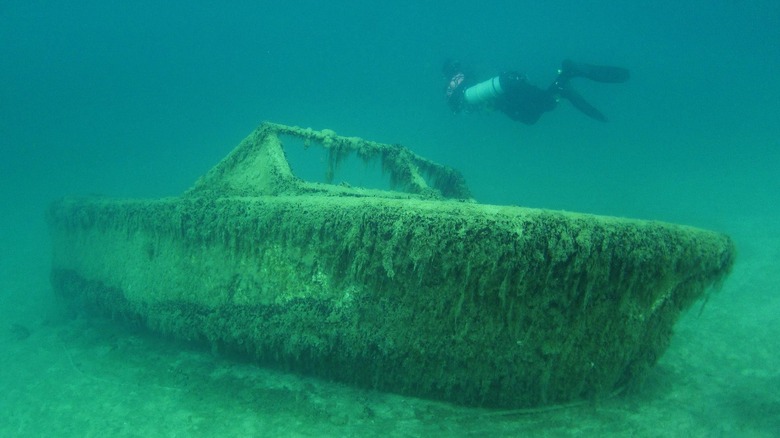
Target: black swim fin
{"type": "Point", "coordinates": [581, 104]}
{"type": "Point", "coordinates": [598, 73]}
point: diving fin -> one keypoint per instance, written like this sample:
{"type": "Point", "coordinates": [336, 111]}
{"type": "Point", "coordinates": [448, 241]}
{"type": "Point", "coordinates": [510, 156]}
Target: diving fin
{"type": "Point", "coordinates": [581, 104]}
{"type": "Point", "coordinates": [598, 73]}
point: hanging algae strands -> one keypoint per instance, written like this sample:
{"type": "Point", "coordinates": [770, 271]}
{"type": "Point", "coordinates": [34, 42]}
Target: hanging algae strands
{"type": "Point", "coordinates": [422, 292]}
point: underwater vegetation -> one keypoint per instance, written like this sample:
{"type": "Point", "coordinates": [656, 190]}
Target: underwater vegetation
{"type": "Point", "coordinates": [422, 292]}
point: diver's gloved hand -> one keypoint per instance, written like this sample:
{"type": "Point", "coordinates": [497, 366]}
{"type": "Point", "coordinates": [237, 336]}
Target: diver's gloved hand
{"type": "Point", "coordinates": [455, 92]}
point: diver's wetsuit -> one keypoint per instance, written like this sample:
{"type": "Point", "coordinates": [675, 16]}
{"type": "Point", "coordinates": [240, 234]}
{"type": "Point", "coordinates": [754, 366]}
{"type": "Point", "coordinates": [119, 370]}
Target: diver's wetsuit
{"type": "Point", "coordinates": [526, 103]}
{"type": "Point", "coordinates": [522, 101]}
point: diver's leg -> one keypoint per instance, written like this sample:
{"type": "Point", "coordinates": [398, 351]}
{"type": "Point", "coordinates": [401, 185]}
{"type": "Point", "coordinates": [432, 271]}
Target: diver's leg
{"type": "Point", "coordinates": [561, 89]}
{"type": "Point", "coordinates": [599, 73]}
{"type": "Point", "coordinates": [581, 104]}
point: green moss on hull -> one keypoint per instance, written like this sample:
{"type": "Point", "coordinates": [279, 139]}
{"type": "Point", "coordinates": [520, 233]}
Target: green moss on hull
{"type": "Point", "coordinates": [257, 167]}
{"type": "Point", "coordinates": [481, 305]}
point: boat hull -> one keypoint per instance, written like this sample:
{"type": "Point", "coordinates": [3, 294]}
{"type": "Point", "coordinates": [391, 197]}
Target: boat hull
{"type": "Point", "coordinates": [468, 303]}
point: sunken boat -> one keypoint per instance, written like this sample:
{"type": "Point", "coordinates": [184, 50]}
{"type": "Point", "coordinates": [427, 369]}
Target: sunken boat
{"type": "Point", "coordinates": [417, 290]}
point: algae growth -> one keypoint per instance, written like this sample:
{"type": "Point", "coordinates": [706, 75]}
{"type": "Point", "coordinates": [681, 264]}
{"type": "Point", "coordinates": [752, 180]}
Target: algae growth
{"type": "Point", "coordinates": [405, 292]}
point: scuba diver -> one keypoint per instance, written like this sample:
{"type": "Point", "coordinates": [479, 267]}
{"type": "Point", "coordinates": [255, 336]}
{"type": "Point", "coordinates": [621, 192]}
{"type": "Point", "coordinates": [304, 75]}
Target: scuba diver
{"type": "Point", "coordinates": [511, 93]}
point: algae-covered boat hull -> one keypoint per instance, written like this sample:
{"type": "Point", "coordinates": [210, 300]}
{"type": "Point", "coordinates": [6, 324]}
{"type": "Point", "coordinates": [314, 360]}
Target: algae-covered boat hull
{"type": "Point", "coordinates": [470, 303]}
